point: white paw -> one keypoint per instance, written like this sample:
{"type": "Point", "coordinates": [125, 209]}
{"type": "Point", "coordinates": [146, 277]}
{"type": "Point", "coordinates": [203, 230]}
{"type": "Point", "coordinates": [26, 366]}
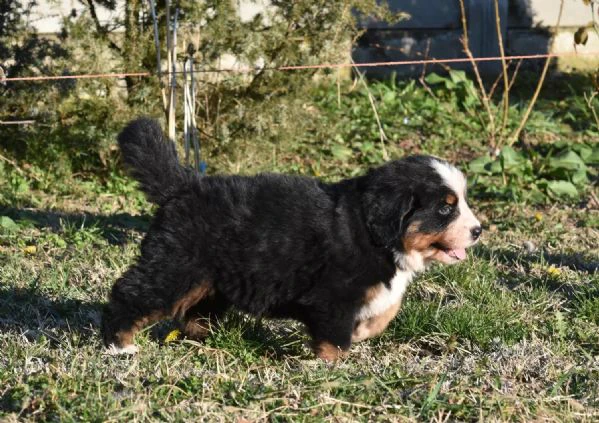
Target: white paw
{"type": "Point", "coordinates": [128, 350]}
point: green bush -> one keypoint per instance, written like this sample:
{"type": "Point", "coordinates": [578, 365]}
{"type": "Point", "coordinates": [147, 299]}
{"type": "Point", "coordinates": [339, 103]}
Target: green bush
{"type": "Point", "coordinates": [76, 122]}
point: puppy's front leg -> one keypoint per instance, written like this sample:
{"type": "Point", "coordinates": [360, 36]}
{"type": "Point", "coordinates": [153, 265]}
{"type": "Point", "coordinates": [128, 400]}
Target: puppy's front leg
{"type": "Point", "coordinates": [374, 326]}
{"type": "Point", "coordinates": [331, 331]}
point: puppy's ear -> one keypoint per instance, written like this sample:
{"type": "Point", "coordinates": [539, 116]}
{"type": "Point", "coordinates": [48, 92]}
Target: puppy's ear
{"type": "Point", "coordinates": [387, 213]}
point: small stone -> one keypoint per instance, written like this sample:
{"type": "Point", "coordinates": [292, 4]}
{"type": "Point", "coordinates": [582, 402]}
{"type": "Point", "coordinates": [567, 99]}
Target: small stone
{"type": "Point", "coordinates": [529, 246]}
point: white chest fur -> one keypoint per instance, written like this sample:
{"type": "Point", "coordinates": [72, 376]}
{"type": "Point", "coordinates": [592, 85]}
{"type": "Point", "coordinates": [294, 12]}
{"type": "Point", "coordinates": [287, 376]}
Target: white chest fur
{"type": "Point", "coordinates": [387, 296]}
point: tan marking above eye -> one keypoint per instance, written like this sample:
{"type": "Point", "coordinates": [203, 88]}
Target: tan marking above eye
{"type": "Point", "coordinates": [451, 199]}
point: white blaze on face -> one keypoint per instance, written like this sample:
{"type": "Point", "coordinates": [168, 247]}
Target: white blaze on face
{"type": "Point", "coordinates": [459, 229]}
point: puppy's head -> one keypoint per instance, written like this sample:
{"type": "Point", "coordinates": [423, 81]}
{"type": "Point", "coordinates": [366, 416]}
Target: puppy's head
{"type": "Point", "coordinates": [417, 208]}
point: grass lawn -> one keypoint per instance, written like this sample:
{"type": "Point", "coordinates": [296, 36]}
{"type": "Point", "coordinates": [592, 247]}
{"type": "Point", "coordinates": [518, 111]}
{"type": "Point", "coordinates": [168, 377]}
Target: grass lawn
{"type": "Point", "coordinates": [512, 333]}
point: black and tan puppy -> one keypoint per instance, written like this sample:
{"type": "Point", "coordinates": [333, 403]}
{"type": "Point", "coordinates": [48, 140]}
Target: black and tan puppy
{"type": "Point", "coordinates": [337, 257]}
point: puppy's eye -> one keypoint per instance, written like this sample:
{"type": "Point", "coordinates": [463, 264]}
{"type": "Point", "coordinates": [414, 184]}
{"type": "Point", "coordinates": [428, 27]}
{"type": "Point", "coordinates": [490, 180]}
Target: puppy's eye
{"type": "Point", "coordinates": [445, 210]}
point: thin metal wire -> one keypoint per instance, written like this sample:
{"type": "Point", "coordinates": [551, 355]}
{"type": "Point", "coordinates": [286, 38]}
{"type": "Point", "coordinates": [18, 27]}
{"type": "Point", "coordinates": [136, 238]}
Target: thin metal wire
{"type": "Point", "coordinates": [303, 67]}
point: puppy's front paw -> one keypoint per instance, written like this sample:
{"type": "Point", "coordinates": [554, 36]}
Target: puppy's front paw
{"type": "Point", "coordinates": [126, 350]}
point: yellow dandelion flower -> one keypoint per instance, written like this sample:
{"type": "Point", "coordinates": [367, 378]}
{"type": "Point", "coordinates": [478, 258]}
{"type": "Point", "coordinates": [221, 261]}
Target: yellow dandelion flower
{"type": "Point", "coordinates": [30, 249]}
{"type": "Point", "coordinates": [172, 336]}
{"type": "Point", "coordinates": [553, 271]}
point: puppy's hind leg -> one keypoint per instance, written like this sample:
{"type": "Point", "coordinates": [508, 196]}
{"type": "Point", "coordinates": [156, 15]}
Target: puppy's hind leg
{"type": "Point", "coordinates": [143, 296]}
{"type": "Point", "coordinates": [202, 317]}
{"type": "Point", "coordinates": [132, 305]}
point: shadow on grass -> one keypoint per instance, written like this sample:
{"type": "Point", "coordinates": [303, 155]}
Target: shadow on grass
{"type": "Point", "coordinates": [34, 315]}
{"type": "Point", "coordinates": [114, 228]}
{"type": "Point", "coordinates": [518, 262]}
{"type": "Point", "coordinates": [244, 336]}
{"type": "Point", "coordinates": [578, 262]}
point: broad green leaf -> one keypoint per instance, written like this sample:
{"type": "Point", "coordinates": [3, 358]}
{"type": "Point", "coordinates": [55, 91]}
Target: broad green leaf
{"type": "Point", "coordinates": [567, 160]}
{"type": "Point", "coordinates": [495, 167]}
{"type": "Point", "coordinates": [8, 224]}
{"type": "Point", "coordinates": [341, 152]}
{"type": "Point", "coordinates": [389, 97]}
{"type": "Point", "coordinates": [457, 76]}
{"type": "Point", "coordinates": [433, 78]}
{"type": "Point", "coordinates": [535, 195]}
{"type": "Point", "coordinates": [562, 189]}
{"type": "Point", "coordinates": [450, 85]}
{"type": "Point", "coordinates": [594, 157]}
{"type": "Point", "coordinates": [480, 165]}
{"type": "Point", "coordinates": [511, 160]}
{"type": "Point", "coordinates": [580, 177]}
{"type": "Point", "coordinates": [583, 150]}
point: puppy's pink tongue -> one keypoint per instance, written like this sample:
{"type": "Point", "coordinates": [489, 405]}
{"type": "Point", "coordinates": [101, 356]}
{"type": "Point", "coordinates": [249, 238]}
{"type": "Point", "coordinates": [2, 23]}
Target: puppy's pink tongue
{"type": "Point", "coordinates": [458, 253]}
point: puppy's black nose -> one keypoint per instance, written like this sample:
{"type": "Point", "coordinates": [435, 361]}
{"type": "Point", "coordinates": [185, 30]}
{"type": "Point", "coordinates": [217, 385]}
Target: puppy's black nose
{"type": "Point", "coordinates": [476, 231]}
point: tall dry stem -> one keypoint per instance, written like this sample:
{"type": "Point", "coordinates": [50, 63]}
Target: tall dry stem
{"type": "Point", "coordinates": [504, 70]}
{"type": "Point", "coordinates": [514, 137]}
{"type": "Point", "coordinates": [483, 92]}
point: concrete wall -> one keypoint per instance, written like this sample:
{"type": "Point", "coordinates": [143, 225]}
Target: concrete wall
{"type": "Point", "coordinates": [544, 13]}
{"type": "Point", "coordinates": [434, 31]}
{"type": "Point", "coordinates": [48, 15]}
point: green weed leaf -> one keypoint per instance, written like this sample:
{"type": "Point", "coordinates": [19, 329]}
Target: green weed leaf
{"type": "Point", "coordinates": [481, 165]}
{"type": "Point", "coordinates": [584, 151]}
{"type": "Point", "coordinates": [511, 160]}
{"type": "Point", "coordinates": [458, 76]}
{"type": "Point", "coordinates": [580, 177]}
{"type": "Point", "coordinates": [389, 97]}
{"type": "Point", "coordinates": [433, 79]}
{"type": "Point", "coordinates": [341, 152]}
{"type": "Point", "coordinates": [568, 160]}
{"type": "Point", "coordinates": [593, 159]}
{"type": "Point", "coordinates": [562, 189]}
{"type": "Point", "coordinates": [8, 224]}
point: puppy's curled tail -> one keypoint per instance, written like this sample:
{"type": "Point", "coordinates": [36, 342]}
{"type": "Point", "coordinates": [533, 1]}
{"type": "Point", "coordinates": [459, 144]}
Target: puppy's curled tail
{"type": "Point", "coordinates": [152, 159]}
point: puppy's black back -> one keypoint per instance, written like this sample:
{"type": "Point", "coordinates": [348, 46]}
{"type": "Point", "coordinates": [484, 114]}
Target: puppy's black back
{"type": "Point", "coordinates": [263, 241]}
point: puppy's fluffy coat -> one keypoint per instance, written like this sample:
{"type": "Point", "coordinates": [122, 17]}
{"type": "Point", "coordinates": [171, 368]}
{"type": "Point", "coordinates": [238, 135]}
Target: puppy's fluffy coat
{"type": "Point", "coordinates": [337, 257]}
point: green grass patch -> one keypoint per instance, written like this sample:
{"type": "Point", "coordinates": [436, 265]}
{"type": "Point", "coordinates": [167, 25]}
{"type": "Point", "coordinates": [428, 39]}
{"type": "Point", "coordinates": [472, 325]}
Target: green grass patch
{"type": "Point", "coordinates": [512, 333]}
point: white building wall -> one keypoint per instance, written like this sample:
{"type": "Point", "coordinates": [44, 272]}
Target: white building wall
{"type": "Point", "coordinates": [48, 15]}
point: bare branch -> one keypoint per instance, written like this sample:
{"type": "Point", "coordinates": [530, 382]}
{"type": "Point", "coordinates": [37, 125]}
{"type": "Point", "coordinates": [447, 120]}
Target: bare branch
{"type": "Point", "coordinates": [506, 83]}
{"type": "Point", "coordinates": [483, 92]}
{"type": "Point", "coordinates": [102, 31]}
{"type": "Point", "coordinates": [516, 133]}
